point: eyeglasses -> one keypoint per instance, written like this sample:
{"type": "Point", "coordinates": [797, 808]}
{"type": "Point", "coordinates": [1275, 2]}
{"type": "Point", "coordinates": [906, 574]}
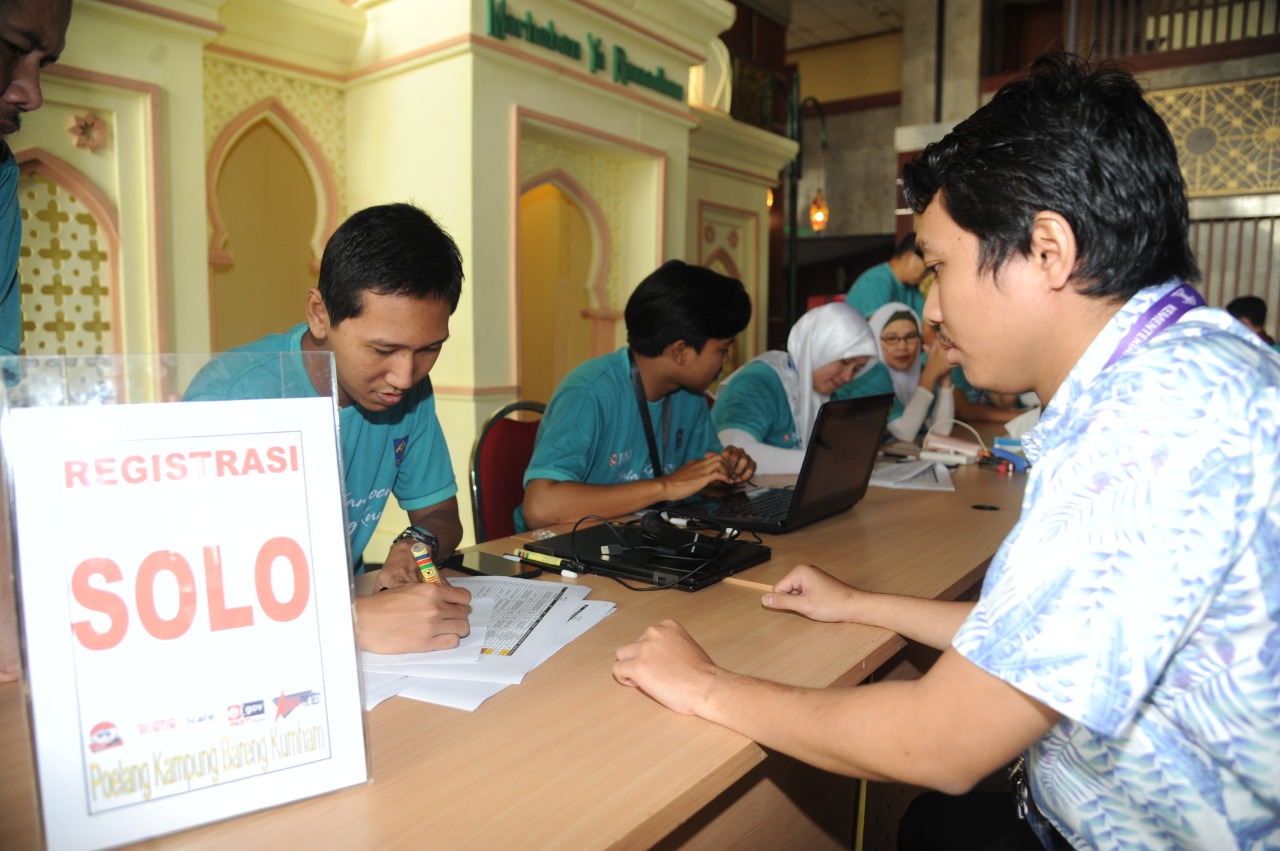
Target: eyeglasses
{"type": "Point", "coordinates": [910, 339]}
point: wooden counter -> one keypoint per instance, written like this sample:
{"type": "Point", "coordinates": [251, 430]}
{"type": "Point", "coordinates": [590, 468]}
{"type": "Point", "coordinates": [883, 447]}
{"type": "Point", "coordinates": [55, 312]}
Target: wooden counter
{"type": "Point", "coordinates": [570, 759]}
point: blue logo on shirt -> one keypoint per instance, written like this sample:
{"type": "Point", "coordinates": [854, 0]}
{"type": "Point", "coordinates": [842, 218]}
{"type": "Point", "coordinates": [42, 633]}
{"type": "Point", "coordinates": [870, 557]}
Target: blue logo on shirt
{"type": "Point", "coordinates": [400, 443]}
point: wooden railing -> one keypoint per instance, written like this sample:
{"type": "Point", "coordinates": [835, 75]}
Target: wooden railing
{"type": "Point", "coordinates": [1130, 28]}
{"type": "Point", "coordinates": [1240, 256]}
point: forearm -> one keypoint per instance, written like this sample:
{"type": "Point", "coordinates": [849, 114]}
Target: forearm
{"type": "Point", "coordinates": [441, 520]}
{"type": "Point", "coordinates": [908, 425]}
{"type": "Point", "coordinates": [930, 622]}
{"type": "Point", "coordinates": [770, 460]}
{"type": "Point", "coordinates": [935, 731]}
{"type": "Point", "coordinates": [944, 410]}
{"type": "Point", "coordinates": [547, 502]}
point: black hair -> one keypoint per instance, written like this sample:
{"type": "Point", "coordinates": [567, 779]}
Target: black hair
{"type": "Point", "coordinates": [1078, 140]}
{"type": "Point", "coordinates": [393, 249]}
{"type": "Point", "coordinates": [907, 246]}
{"type": "Point", "coordinates": [1249, 307]}
{"type": "Point", "coordinates": [683, 302]}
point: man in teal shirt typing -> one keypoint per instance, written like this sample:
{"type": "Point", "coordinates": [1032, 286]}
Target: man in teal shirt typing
{"type": "Point", "coordinates": [596, 453]}
{"type": "Point", "coordinates": [389, 280]}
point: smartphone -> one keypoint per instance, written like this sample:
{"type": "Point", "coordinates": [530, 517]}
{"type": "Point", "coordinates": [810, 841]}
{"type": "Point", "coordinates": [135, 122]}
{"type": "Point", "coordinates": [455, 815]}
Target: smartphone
{"type": "Point", "coordinates": [477, 563]}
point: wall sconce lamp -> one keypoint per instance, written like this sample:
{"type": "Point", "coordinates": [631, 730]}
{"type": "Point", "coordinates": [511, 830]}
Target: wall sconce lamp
{"type": "Point", "coordinates": [768, 198]}
{"type": "Point", "coordinates": [819, 213]}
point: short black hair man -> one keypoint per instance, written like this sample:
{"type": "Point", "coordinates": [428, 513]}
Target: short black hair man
{"type": "Point", "coordinates": [1127, 632]}
{"type": "Point", "coordinates": [390, 278]}
{"type": "Point", "coordinates": [593, 455]}
{"type": "Point", "coordinates": [1251, 310]}
{"type": "Point", "coordinates": [896, 280]}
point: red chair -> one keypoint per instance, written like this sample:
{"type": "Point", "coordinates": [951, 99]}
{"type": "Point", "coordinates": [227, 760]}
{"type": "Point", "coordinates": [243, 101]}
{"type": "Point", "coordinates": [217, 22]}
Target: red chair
{"type": "Point", "coordinates": [819, 300]}
{"type": "Point", "coordinates": [498, 461]}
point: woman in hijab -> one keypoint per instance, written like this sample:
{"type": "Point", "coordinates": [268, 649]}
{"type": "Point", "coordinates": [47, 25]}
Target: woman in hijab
{"type": "Point", "coordinates": [919, 385]}
{"type": "Point", "coordinates": [769, 405]}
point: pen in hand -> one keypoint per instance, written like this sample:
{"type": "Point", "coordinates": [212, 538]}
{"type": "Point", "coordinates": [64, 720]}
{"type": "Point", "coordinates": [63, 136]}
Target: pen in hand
{"type": "Point", "coordinates": [422, 556]}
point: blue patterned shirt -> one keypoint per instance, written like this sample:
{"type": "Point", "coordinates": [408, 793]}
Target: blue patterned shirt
{"type": "Point", "coordinates": [1139, 593]}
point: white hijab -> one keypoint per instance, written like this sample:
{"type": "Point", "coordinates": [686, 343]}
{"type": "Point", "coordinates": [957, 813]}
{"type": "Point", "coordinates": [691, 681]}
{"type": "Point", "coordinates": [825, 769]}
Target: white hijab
{"type": "Point", "coordinates": [905, 381]}
{"type": "Point", "coordinates": [828, 333]}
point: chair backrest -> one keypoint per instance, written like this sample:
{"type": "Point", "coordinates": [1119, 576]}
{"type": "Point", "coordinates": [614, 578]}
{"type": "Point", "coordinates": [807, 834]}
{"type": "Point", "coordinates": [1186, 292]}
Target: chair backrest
{"type": "Point", "coordinates": [498, 460]}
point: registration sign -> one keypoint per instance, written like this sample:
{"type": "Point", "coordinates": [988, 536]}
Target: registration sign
{"type": "Point", "coordinates": [186, 609]}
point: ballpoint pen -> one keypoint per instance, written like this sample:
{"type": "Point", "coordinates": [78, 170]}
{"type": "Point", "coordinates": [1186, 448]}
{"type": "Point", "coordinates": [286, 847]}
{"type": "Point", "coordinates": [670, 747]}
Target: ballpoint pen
{"type": "Point", "coordinates": [422, 555]}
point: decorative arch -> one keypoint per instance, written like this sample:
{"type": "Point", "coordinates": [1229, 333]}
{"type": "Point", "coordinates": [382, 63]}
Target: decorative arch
{"type": "Point", "coordinates": [603, 316]}
{"type": "Point", "coordinates": [600, 242]}
{"type": "Point", "coordinates": [99, 206]}
{"type": "Point", "coordinates": [725, 261]}
{"type": "Point", "coordinates": [296, 136]}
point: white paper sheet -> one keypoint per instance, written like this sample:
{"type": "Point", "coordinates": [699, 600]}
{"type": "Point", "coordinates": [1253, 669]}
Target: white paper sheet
{"type": "Point", "coordinates": [527, 623]}
{"type": "Point", "coordinates": [913, 475]}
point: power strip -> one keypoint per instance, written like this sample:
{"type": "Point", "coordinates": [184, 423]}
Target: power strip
{"type": "Point", "coordinates": [951, 459]}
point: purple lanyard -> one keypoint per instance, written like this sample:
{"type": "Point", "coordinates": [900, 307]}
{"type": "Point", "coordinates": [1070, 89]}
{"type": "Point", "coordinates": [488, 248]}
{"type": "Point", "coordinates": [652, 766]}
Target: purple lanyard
{"type": "Point", "coordinates": [1156, 318]}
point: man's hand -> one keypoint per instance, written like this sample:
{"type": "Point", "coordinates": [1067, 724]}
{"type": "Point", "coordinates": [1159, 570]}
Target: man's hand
{"type": "Point", "coordinates": [695, 476]}
{"type": "Point", "coordinates": [935, 366]}
{"type": "Point", "coordinates": [412, 618]}
{"type": "Point", "coordinates": [814, 593]}
{"type": "Point", "coordinates": [400, 567]}
{"type": "Point", "coordinates": [740, 465]}
{"type": "Point", "coordinates": [668, 665]}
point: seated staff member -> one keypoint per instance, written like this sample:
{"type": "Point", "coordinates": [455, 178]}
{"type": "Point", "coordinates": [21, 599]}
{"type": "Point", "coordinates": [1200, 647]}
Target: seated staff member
{"type": "Point", "coordinates": [389, 280]}
{"type": "Point", "coordinates": [629, 429]}
{"type": "Point", "coordinates": [897, 280]}
{"type": "Point", "coordinates": [769, 405]}
{"type": "Point", "coordinates": [921, 386]}
{"type": "Point", "coordinates": [1127, 631]}
{"type": "Point", "coordinates": [1251, 311]}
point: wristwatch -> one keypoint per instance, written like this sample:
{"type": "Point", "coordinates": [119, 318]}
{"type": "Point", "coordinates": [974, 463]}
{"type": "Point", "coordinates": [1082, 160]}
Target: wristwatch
{"type": "Point", "coordinates": [422, 536]}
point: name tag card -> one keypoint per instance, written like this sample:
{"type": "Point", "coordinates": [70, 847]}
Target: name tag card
{"type": "Point", "coordinates": [185, 600]}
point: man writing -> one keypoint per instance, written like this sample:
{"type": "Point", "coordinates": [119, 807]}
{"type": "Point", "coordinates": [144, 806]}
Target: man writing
{"type": "Point", "coordinates": [390, 278]}
{"type": "Point", "coordinates": [1125, 637]}
{"type": "Point", "coordinates": [629, 429]}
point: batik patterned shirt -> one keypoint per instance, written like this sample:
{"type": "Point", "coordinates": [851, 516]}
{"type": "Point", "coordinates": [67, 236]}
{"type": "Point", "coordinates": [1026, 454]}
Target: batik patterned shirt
{"type": "Point", "coordinates": [1139, 593]}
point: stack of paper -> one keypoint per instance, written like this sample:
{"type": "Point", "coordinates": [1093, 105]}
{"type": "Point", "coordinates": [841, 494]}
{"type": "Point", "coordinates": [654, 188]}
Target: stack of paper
{"type": "Point", "coordinates": [516, 624]}
{"type": "Point", "coordinates": [913, 475]}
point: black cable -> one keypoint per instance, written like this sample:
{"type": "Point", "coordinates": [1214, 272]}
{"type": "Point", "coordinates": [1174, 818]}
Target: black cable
{"type": "Point", "coordinates": [680, 574]}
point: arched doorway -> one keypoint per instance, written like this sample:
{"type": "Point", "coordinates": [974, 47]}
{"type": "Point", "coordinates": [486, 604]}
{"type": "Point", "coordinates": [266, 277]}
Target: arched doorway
{"type": "Point", "coordinates": [268, 210]}
{"type": "Point", "coordinates": [555, 271]}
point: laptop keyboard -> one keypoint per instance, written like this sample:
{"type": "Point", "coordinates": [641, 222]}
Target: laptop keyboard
{"type": "Point", "coordinates": [770, 504]}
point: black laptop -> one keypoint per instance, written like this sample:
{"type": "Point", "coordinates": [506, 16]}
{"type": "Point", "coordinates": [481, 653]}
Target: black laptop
{"type": "Point", "coordinates": [656, 554]}
{"type": "Point", "coordinates": [837, 466]}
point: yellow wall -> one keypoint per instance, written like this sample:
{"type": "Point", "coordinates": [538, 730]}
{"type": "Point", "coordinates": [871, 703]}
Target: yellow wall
{"type": "Point", "coordinates": [851, 69]}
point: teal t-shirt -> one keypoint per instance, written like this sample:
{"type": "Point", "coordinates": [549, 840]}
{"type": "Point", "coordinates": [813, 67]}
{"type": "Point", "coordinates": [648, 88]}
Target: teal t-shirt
{"type": "Point", "coordinates": [756, 402]}
{"type": "Point", "coordinates": [592, 431]}
{"type": "Point", "coordinates": [398, 451]}
{"type": "Point", "coordinates": [877, 286]}
{"type": "Point", "coordinates": [873, 382]}
{"type": "Point", "coordinates": [10, 244]}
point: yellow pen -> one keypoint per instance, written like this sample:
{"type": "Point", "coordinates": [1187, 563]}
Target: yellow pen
{"type": "Point", "coordinates": [422, 555]}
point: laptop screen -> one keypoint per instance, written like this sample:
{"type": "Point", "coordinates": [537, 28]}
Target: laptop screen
{"type": "Point", "coordinates": [837, 465]}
